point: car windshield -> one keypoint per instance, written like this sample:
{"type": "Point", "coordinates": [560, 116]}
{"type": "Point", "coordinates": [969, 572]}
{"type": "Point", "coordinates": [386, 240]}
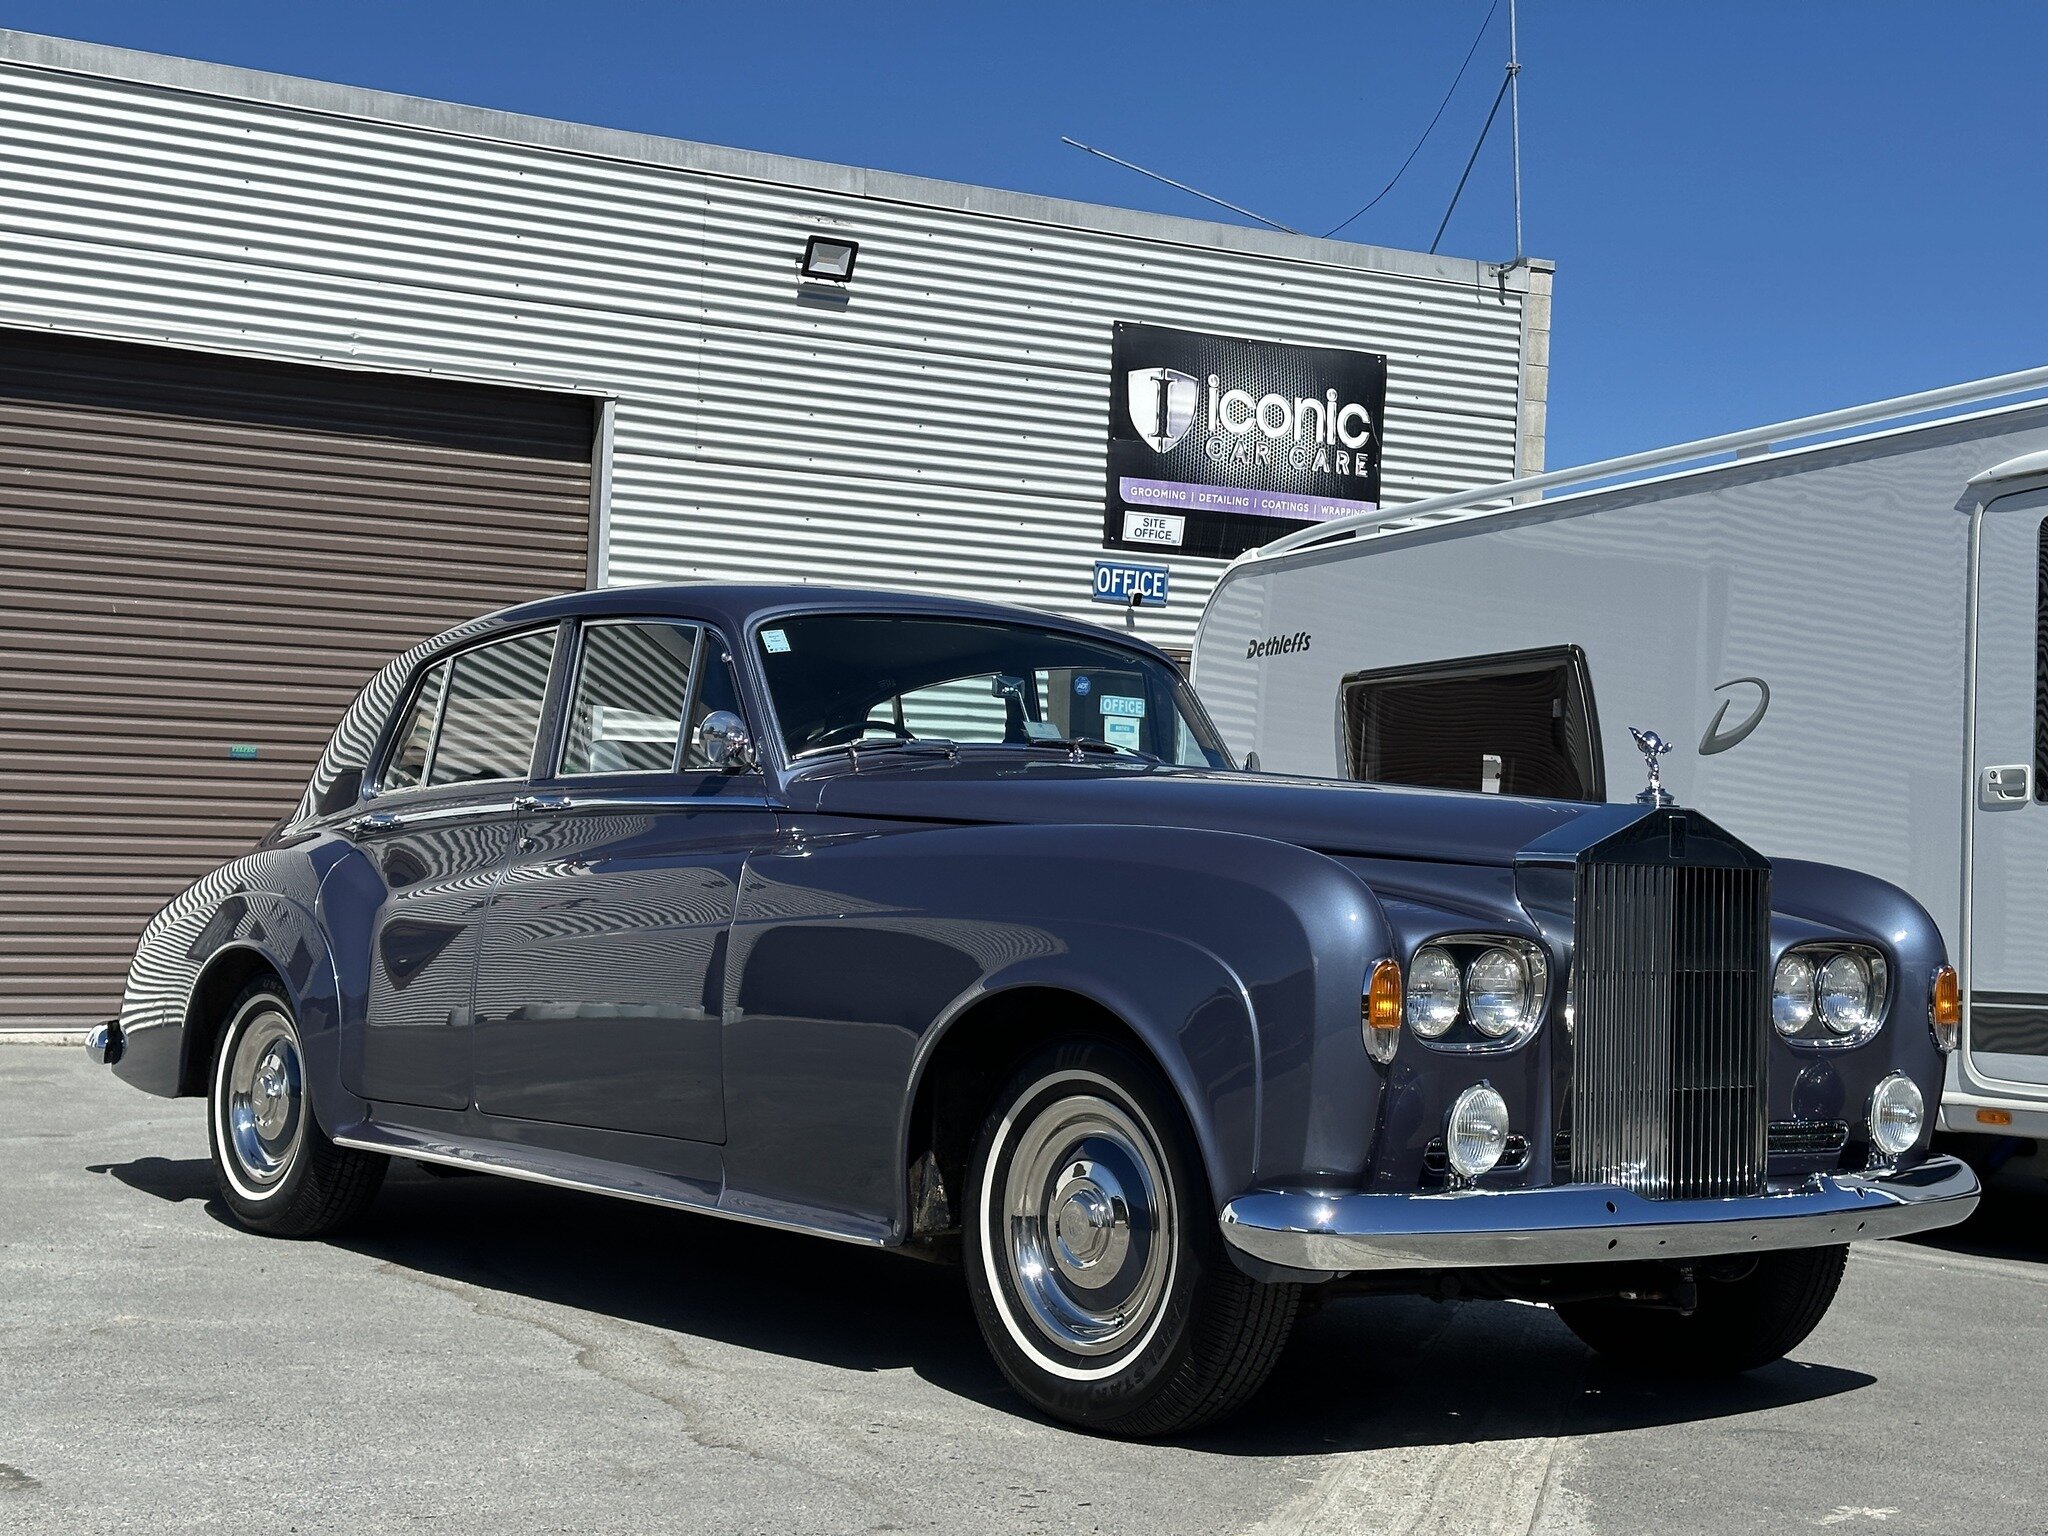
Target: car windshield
{"type": "Point", "coordinates": [862, 680]}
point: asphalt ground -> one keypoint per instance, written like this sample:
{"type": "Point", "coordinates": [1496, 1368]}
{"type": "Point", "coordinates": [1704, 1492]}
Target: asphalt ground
{"type": "Point", "coordinates": [486, 1356]}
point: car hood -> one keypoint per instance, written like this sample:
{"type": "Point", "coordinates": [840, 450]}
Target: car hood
{"type": "Point", "coordinates": [1330, 816]}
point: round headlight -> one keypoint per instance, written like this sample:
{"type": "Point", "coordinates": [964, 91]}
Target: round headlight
{"type": "Point", "coordinates": [1477, 1132]}
{"type": "Point", "coordinates": [1847, 1001]}
{"type": "Point", "coordinates": [1497, 989]}
{"type": "Point", "coordinates": [1792, 994]}
{"type": "Point", "coordinates": [1897, 1113]}
{"type": "Point", "coordinates": [1434, 992]}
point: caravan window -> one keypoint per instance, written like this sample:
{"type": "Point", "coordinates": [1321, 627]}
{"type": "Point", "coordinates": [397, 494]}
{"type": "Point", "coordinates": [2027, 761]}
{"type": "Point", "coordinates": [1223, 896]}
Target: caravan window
{"type": "Point", "coordinates": [1519, 724]}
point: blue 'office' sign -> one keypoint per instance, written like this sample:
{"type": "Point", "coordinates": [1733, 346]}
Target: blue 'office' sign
{"type": "Point", "coordinates": [1119, 582]}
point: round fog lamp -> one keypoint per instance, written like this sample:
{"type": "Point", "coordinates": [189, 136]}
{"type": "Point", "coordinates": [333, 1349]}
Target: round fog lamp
{"type": "Point", "coordinates": [1477, 1132]}
{"type": "Point", "coordinates": [1897, 1113]}
{"type": "Point", "coordinates": [1434, 992]}
{"type": "Point", "coordinates": [1845, 994]}
{"type": "Point", "coordinates": [1792, 994]}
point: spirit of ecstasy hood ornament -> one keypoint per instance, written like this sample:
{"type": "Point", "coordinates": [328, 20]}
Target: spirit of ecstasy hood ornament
{"type": "Point", "coordinates": [1652, 746]}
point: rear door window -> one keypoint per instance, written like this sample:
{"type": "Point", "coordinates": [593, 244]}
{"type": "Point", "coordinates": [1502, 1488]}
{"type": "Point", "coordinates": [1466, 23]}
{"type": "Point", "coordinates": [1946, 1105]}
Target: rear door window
{"type": "Point", "coordinates": [1514, 724]}
{"type": "Point", "coordinates": [490, 712]}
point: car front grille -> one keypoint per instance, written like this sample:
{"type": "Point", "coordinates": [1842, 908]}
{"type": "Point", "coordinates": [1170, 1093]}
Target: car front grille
{"type": "Point", "coordinates": [1670, 1022]}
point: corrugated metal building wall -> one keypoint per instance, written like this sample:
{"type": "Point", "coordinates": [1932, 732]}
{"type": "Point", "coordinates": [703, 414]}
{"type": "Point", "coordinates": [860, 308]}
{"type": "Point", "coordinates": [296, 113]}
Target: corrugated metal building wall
{"type": "Point", "coordinates": [941, 426]}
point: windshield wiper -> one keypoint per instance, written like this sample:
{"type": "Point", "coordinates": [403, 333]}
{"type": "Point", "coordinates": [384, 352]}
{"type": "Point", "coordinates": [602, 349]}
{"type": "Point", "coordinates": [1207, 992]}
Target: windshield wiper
{"type": "Point", "coordinates": [1076, 745]}
{"type": "Point", "coordinates": [942, 746]}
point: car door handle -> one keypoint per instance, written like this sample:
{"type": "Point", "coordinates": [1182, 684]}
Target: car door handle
{"type": "Point", "coordinates": [371, 821]}
{"type": "Point", "coordinates": [541, 802]}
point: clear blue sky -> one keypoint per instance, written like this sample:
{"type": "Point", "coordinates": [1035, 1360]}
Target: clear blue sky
{"type": "Point", "coordinates": [1757, 209]}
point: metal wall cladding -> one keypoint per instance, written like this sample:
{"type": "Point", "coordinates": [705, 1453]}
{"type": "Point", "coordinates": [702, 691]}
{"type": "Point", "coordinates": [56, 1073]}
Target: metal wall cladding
{"type": "Point", "coordinates": [938, 425]}
{"type": "Point", "coordinates": [202, 559]}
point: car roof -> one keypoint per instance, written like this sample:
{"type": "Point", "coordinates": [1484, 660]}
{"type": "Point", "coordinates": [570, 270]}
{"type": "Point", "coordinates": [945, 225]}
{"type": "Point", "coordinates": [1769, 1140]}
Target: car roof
{"type": "Point", "coordinates": [735, 606]}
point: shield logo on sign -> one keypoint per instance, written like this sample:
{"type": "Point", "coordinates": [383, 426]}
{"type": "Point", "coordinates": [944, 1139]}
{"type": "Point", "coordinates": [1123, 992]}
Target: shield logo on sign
{"type": "Point", "coordinates": [1162, 402]}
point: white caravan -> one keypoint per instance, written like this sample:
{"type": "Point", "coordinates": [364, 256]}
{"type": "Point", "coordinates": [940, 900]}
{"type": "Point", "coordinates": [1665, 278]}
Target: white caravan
{"type": "Point", "coordinates": [1844, 642]}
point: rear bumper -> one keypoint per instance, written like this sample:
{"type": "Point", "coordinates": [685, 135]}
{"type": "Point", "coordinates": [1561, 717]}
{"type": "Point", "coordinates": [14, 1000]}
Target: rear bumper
{"type": "Point", "coordinates": [1585, 1223]}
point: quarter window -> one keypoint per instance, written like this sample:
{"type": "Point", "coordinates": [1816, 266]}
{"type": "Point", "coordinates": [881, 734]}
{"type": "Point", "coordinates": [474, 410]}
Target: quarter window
{"type": "Point", "coordinates": [409, 760]}
{"type": "Point", "coordinates": [626, 714]}
{"type": "Point", "coordinates": [1517, 724]}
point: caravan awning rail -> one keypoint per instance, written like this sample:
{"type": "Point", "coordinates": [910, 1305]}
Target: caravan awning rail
{"type": "Point", "coordinates": [1751, 442]}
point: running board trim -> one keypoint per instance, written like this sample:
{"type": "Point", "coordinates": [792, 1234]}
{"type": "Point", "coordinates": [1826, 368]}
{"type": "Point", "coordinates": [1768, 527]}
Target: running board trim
{"type": "Point", "coordinates": [590, 1176]}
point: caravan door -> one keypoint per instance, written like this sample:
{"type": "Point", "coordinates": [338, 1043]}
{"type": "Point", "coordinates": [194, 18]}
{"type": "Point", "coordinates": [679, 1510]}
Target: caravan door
{"type": "Point", "coordinates": [2005, 966]}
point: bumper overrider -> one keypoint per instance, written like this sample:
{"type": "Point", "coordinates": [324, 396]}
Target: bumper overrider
{"type": "Point", "coordinates": [1587, 1223]}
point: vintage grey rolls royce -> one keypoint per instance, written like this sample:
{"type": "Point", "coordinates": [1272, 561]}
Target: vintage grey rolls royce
{"type": "Point", "coordinates": [953, 928]}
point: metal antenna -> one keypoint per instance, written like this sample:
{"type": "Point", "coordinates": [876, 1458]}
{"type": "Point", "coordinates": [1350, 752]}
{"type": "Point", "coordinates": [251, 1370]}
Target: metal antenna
{"type": "Point", "coordinates": [1507, 86]}
{"type": "Point", "coordinates": [1515, 119]}
{"type": "Point", "coordinates": [1181, 186]}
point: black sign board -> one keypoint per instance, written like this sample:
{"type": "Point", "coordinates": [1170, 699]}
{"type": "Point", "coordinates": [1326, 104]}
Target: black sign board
{"type": "Point", "coordinates": [1217, 444]}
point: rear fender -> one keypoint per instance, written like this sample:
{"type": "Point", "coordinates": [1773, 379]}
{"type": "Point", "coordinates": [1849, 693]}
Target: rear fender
{"type": "Point", "coordinates": [257, 910]}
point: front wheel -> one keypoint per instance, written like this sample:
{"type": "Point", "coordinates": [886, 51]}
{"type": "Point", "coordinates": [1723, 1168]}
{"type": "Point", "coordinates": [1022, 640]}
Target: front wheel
{"type": "Point", "coordinates": [1094, 1263]}
{"type": "Point", "coordinates": [1738, 1324]}
{"type": "Point", "coordinates": [276, 1169]}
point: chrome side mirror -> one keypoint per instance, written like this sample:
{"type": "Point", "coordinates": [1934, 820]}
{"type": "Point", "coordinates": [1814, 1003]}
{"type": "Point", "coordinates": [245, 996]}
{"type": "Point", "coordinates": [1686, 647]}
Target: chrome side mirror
{"type": "Point", "coordinates": [724, 741]}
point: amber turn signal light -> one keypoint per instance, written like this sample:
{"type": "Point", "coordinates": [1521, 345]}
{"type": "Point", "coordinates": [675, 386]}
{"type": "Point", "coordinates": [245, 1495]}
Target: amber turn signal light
{"type": "Point", "coordinates": [1380, 1011]}
{"type": "Point", "coordinates": [1945, 1008]}
{"type": "Point", "coordinates": [1994, 1117]}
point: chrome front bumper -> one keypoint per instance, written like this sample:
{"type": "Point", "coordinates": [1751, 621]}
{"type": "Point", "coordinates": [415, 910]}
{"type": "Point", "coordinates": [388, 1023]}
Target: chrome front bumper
{"type": "Point", "coordinates": [1587, 1223]}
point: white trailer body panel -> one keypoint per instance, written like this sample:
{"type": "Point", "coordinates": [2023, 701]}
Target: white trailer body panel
{"type": "Point", "coordinates": [1839, 575]}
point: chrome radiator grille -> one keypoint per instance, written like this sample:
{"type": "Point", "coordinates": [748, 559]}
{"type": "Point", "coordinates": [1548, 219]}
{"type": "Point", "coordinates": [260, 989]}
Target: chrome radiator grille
{"type": "Point", "coordinates": [1671, 1010]}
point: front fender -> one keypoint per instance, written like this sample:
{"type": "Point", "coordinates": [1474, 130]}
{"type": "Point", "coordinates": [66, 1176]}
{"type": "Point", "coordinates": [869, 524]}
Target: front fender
{"type": "Point", "coordinates": [1238, 960]}
{"type": "Point", "coordinates": [1816, 902]}
{"type": "Point", "coordinates": [1190, 1009]}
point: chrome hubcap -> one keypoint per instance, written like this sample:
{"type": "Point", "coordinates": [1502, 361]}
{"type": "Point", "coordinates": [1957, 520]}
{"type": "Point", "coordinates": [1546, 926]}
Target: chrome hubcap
{"type": "Point", "coordinates": [265, 1098]}
{"type": "Point", "coordinates": [1087, 1225]}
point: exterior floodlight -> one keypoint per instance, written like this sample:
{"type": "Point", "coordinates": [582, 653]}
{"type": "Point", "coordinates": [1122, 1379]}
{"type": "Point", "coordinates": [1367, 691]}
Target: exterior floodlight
{"type": "Point", "coordinates": [829, 260]}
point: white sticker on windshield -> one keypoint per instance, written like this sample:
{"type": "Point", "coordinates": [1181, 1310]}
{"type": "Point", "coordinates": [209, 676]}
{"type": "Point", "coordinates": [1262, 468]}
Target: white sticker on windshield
{"type": "Point", "coordinates": [1121, 730]}
{"type": "Point", "coordinates": [1123, 704]}
{"type": "Point", "coordinates": [775, 640]}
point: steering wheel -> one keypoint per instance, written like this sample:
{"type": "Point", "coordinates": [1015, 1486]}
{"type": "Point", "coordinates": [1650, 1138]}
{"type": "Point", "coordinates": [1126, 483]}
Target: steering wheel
{"type": "Point", "coordinates": [852, 731]}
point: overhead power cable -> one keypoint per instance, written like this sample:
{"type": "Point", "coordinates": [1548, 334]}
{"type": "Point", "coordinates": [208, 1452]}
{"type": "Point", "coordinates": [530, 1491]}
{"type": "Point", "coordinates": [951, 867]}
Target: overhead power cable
{"type": "Point", "coordinates": [1456, 80]}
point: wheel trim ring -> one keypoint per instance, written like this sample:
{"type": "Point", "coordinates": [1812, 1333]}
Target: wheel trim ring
{"type": "Point", "coordinates": [1045, 1348]}
{"type": "Point", "coordinates": [259, 1099]}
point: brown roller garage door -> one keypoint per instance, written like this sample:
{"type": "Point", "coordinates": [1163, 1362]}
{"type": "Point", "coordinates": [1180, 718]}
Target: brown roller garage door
{"type": "Point", "coordinates": [201, 561]}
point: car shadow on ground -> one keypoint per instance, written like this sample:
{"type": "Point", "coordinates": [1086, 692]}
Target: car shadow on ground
{"type": "Point", "coordinates": [2010, 1222]}
{"type": "Point", "coordinates": [1363, 1373]}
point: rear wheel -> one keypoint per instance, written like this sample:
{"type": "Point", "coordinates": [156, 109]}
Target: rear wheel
{"type": "Point", "coordinates": [276, 1169]}
{"type": "Point", "coordinates": [1738, 1324]}
{"type": "Point", "coordinates": [1093, 1260]}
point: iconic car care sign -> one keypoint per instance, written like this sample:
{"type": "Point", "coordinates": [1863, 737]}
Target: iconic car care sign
{"type": "Point", "coordinates": [1218, 444]}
